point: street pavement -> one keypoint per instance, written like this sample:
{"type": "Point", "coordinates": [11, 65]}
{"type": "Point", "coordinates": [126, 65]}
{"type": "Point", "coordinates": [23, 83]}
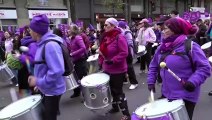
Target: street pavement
{"type": "Point", "coordinates": [74, 109]}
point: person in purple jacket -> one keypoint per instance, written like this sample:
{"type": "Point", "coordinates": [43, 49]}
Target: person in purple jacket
{"type": "Point", "coordinates": [188, 89]}
{"type": "Point", "coordinates": [78, 53]}
{"type": "Point", "coordinates": [112, 59]}
{"type": "Point", "coordinates": [48, 76]}
{"type": "Point", "coordinates": [25, 72]}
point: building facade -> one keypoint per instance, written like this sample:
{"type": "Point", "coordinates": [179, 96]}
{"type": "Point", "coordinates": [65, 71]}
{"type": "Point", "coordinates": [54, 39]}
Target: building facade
{"type": "Point", "coordinates": [16, 13]}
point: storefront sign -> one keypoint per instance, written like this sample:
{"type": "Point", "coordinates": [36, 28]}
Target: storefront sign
{"type": "Point", "coordinates": [8, 14]}
{"type": "Point", "coordinates": [49, 13]}
{"type": "Point", "coordinates": [108, 15]}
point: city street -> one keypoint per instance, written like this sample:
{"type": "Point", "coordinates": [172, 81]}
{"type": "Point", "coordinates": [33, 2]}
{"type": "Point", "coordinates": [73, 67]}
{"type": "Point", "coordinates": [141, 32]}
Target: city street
{"type": "Point", "coordinates": [73, 109]}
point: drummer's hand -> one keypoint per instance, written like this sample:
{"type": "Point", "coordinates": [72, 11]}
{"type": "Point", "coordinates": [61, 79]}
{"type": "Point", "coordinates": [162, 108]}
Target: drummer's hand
{"type": "Point", "coordinates": [36, 89]}
{"type": "Point", "coordinates": [32, 81]}
{"type": "Point", "coordinates": [109, 62]}
{"type": "Point", "coordinates": [151, 87]}
{"type": "Point", "coordinates": [71, 54]}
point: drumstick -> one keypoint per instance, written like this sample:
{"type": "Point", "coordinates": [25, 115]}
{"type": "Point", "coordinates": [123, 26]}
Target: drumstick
{"type": "Point", "coordinates": [28, 65]}
{"type": "Point", "coordinates": [13, 94]}
{"type": "Point", "coordinates": [163, 65]}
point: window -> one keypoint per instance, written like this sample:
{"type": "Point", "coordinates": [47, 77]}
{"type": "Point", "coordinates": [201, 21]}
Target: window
{"type": "Point", "coordinates": [43, 2]}
{"type": "Point", "coordinates": [1, 1]}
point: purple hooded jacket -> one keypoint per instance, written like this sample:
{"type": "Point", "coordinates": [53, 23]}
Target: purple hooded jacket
{"type": "Point", "coordinates": [50, 79]}
{"type": "Point", "coordinates": [77, 46]}
{"type": "Point", "coordinates": [181, 66]}
{"type": "Point", "coordinates": [32, 45]}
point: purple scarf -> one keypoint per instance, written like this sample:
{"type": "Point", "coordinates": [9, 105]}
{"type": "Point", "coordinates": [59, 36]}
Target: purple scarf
{"type": "Point", "coordinates": [171, 42]}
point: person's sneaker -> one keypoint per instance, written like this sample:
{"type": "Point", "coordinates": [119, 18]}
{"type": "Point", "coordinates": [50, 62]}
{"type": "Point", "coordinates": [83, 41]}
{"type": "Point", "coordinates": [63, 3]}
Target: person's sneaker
{"type": "Point", "coordinates": [210, 93]}
{"type": "Point", "coordinates": [125, 117]}
{"type": "Point", "coordinates": [125, 83]}
{"type": "Point", "coordinates": [133, 86]}
{"type": "Point", "coordinates": [112, 111]}
{"type": "Point", "coordinates": [16, 85]}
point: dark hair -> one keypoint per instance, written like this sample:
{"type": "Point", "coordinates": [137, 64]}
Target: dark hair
{"type": "Point", "coordinates": [146, 25]}
{"type": "Point", "coordinates": [26, 30]}
{"type": "Point", "coordinates": [199, 20]}
{"type": "Point", "coordinates": [175, 12]}
{"type": "Point", "coordinates": [58, 32]}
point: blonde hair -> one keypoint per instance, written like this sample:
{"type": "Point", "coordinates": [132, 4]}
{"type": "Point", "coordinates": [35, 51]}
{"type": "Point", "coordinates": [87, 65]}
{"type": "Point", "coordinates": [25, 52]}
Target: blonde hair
{"type": "Point", "coordinates": [74, 29]}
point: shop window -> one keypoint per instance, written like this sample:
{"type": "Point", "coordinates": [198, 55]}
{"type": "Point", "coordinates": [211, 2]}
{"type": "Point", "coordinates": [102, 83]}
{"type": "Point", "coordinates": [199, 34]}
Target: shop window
{"type": "Point", "coordinates": [11, 28]}
{"type": "Point", "coordinates": [43, 2]}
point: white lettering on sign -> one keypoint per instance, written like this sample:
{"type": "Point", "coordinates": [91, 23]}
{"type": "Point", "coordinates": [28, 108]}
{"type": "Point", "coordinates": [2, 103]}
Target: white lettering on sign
{"type": "Point", "coordinates": [8, 14]}
{"type": "Point", "coordinates": [49, 13]}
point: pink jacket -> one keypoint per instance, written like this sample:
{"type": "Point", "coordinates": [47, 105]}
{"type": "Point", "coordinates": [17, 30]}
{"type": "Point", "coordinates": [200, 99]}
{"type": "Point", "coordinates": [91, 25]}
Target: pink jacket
{"type": "Point", "coordinates": [145, 36]}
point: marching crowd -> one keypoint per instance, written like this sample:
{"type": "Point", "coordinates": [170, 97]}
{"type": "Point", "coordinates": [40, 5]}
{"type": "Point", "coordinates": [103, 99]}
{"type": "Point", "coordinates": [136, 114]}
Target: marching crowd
{"type": "Point", "coordinates": [177, 44]}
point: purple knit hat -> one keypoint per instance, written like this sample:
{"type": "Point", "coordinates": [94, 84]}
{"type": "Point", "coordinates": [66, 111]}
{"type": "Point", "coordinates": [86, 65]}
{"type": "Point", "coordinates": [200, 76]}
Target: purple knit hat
{"type": "Point", "coordinates": [122, 24]}
{"type": "Point", "coordinates": [180, 26]}
{"type": "Point", "coordinates": [40, 24]}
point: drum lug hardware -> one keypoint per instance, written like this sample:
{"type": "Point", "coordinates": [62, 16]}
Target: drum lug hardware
{"type": "Point", "coordinates": [93, 96]}
{"type": "Point", "coordinates": [33, 100]}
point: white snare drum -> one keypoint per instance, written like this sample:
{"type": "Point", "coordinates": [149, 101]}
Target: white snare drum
{"type": "Point", "coordinates": [161, 110]}
{"type": "Point", "coordinates": [210, 59]}
{"type": "Point", "coordinates": [93, 63]}
{"type": "Point", "coordinates": [71, 81]}
{"type": "Point", "coordinates": [5, 73]}
{"type": "Point", "coordinates": [206, 46]}
{"type": "Point", "coordinates": [29, 108]}
{"type": "Point", "coordinates": [141, 50]}
{"type": "Point", "coordinates": [207, 49]}
{"type": "Point", "coordinates": [96, 90]}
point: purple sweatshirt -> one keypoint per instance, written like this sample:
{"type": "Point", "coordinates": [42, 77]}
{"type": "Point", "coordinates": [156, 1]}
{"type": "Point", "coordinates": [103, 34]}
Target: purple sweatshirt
{"type": "Point", "coordinates": [50, 79]}
{"type": "Point", "coordinates": [78, 49]}
{"type": "Point", "coordinates": [32, 45]}
{"type": "Point", "coordinates": [181, 66]}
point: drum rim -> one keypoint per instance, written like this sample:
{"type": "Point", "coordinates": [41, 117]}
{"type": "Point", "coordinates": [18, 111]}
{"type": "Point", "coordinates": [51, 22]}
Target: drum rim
{"type": "Point", "coordinates": [94, 108]}
{"type": "Point", "coordinates": [25, 111]}
{"type": "Point", "coordinates": [162, 114]}
{"type": "Point", "coordinates": [98, 84]}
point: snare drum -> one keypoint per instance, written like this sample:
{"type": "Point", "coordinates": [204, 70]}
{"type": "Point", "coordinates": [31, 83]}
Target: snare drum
{"type": "Point", "coordinates": [207, 49]}
{"type": "Point", "coordinates": [71, 81]}
{"type": "Point", "coordinates": [141, 50]}
{"type": "Point", "coordinates": [5, 73]}
{"type": "Point", "coordinates": [96, 90]}
{"type": "Point", "coordinates": [161, 110]}
{"type": "Point", "coordinates": [28, 108]}
{"type": "Point", "coordinates": [93, 63]}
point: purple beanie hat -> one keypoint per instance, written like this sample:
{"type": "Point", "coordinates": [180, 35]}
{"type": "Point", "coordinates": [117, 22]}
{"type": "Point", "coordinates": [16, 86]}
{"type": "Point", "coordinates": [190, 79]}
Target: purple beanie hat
{"type": "Point", "coordinates": [122, 24]}
{"type": "Point", "coordinates": [180, 26]}
{"type": "Point", "coordinates": [40, 24]}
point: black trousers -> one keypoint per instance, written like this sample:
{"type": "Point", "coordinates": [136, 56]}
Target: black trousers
{"type": "Point", "coordinates": [81, 69]}
{"type": "Point", "coordinates": [190, 108]}
{"type": "Point", "coordinates": [146, 59]}
{"type": "Point", "coordinates": [131, 74]}
{"type": "Point", "coordinates": [51, 107]}
{"type": "Point", "coordinates": [116, 84]}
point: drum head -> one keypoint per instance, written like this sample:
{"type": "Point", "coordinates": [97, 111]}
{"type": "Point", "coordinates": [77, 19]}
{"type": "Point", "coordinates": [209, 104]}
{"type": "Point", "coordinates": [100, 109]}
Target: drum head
{"type": "Point", "coordinates": [95, 79]}
{"type": "Point", "coordinates": [158, 108]}
{"type": "Point", "coordinates": [17, 108]}
{"type": "Point", "coordinates": [141, 48]}
{"type": "Point", "coordinates": [206, 46]}
{"type": "Point", "coordinates": [210, 59]}
{"type": "Point", "coordinates": [92, 57]}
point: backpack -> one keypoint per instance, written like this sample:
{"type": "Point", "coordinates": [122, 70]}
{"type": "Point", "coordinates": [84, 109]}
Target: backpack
{"type": "Point", "coordinates": [135, 45]}
{"type": "Point", "coordinates": [129, 56]}
{"type": "Point", "coordinates": [188, 47]}
{"type": "Point", "coordinates": [69, 67]}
